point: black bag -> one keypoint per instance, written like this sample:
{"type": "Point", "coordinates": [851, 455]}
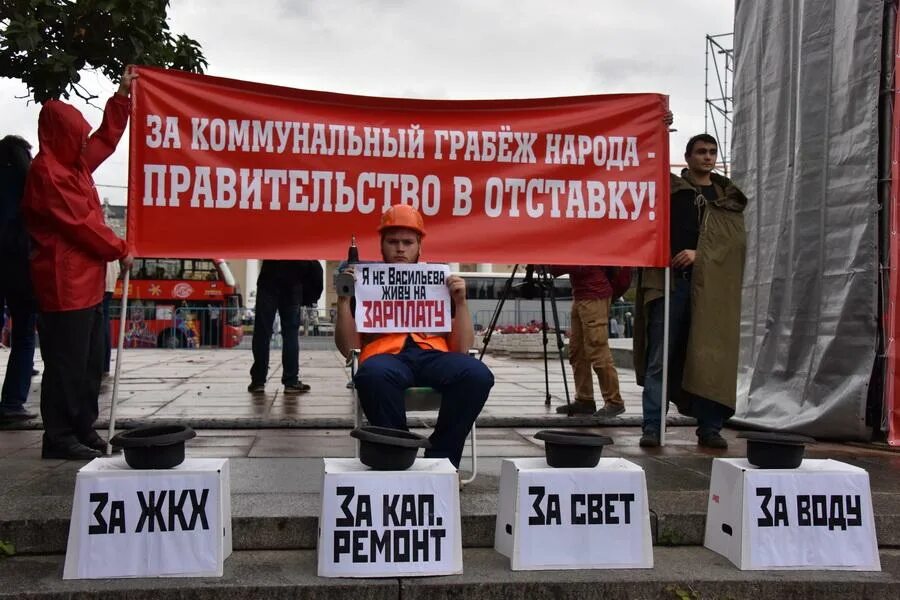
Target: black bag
{"type": "Point", "coordinates": [313, 283]}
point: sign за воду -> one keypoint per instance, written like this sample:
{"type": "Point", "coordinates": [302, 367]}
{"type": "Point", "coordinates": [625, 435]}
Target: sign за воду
{"type": "Point", "coordinates": [817, 516]}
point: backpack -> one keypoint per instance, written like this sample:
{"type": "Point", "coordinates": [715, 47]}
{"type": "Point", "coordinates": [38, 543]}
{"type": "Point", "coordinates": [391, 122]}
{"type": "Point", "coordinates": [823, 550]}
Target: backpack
{"type": "Point", "coordinates": [313, 283]}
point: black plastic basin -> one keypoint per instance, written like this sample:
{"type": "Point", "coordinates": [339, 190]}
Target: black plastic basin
{"type": "Point", "coordinates": [572, 449]}
{"type": "Point", "coordinates": [386, 449]}
{"type": "Point", "coordinates": [155, 446]}
{"type": "Point", "coordinates": [771, 450]}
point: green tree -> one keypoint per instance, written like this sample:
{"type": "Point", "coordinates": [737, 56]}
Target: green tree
{"type": "Point", "coordinates": [48, 43]}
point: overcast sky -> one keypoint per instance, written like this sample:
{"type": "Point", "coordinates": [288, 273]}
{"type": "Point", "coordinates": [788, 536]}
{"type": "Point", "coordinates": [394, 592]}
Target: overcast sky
{"type": "Point", "coordinates": [453, 49]}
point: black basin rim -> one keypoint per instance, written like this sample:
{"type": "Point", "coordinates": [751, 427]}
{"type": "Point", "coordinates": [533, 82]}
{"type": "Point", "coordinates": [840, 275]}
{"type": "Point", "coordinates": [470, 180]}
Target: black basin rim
{"type": "Point", "coordinates": [776, 438]}
{"type": "Point", "coordinates": [138, 438]}
{"type": "Point", "coordinates": [573, 438]}
{"type": "Point", "coordinates": [768, 444]}
{"type": "Point", "coordinates": [390, 437]}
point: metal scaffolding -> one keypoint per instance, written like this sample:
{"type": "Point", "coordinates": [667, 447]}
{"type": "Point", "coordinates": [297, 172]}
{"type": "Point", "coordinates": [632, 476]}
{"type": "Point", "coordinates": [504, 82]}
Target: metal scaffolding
{"type": "Point", "coordinates": [719, 104]}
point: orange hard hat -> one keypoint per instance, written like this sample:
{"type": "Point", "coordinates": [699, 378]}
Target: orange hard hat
{"type": "Point", "coordinates": [403, 215]}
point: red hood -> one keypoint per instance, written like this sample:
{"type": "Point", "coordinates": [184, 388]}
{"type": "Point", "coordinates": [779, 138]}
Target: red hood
{"type": "Point", "coordinates": [62, 132]}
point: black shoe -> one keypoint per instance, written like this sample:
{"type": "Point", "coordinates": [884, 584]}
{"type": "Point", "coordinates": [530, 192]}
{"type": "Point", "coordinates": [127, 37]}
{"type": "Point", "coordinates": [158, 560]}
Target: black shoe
{"type": "Point", "coordinates": [69, 451]}
{"type": "Point", "coordinates": [93, 440]}
{"type": "Point", "coordinates": [579, 407]}
{"type": "Point", "coordinates": [650, 439]}
{"type": "Point", "coordinates": [257, 388]}
{"type": "Point", "coordinates": [609, 411]}
{"type": "Point", "coordinates": [20, 414]}
{"type": "Point", "coordinates": [296, 388]}
{"type": "Point", "coordinates": [713, 440]}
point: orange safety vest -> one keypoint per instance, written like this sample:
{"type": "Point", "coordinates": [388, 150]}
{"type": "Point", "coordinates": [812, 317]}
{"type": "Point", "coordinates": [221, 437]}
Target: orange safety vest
{"type": "Point", "coordinates": [392, 343]}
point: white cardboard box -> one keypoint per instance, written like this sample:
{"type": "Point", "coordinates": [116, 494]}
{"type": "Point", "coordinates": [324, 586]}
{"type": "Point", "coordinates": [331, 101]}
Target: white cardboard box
{"type": "Point", "coordinates": [817, 516]}
{"type": "Point", "coordinates": [551, 518]}
{"type": "Point", "coordinates": [389, 523]}
{"type": "Point", "coordinates": [149, 523]}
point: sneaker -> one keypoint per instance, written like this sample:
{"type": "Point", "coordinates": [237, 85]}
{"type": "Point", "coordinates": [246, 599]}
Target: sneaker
{"type": "Point", "coordinates": [713, 440]}
{"type": "Point", "coordinates": [649, 439]}
{"type": "Point", "coordinates": [296, 388]}
{"type": "Point", "coordinates": [257, 388]}
{"type": "Point", "coordinates": [8, 415]}
{"type": "Point", "coordinates": [579, 407]}
{"type": "Point", "coordinates": [609, 411]}
{"type": "Point", "coordinates": [69, 451]}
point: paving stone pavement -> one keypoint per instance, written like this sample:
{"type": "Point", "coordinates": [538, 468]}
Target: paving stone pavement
{"type": "Point", "coordinates": [208, 388]}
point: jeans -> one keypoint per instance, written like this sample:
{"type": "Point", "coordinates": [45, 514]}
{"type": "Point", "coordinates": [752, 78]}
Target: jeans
{"type": "Point", "coordinates": [22, 311]}
{"type": "Point", "coordinates": [710, 415]}
{"type": "Point", "coordinates": [463, 381]}
{"type": "Point", "coordinates": [287, 303]}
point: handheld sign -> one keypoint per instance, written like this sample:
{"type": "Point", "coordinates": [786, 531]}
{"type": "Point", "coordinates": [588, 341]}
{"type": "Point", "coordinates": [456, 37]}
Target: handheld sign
{"type": "Point", "coordinates": [568, 518]}
{"type": "Point", "coordinates": [149, 523]}
{"type": "Point", "coordinates": [817, 516]}
{"type": "Point", "coordinates": [401, 297]}
{"type": "Point", "coordinates": [389, 523]}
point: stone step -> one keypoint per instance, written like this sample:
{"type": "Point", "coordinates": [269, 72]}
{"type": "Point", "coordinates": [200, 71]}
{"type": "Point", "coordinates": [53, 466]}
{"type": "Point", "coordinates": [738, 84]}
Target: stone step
{"type": "Point", "coordinates": [275, 521]}
{"type": "Point", "coordinates": [684, 572]}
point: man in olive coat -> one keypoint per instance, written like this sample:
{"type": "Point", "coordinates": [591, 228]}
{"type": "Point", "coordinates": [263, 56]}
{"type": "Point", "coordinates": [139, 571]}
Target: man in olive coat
{"type": "Point", "coordinates": [708, 244]}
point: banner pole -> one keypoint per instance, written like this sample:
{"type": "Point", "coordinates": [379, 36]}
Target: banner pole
{"type": "Point", "coordinates": [121, 341]}
{"type": "Point", "coordinates": [664, 400]}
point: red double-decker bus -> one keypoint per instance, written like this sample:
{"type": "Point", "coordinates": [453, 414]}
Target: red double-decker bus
{"type": "Point", "coordinates": [179, 303]}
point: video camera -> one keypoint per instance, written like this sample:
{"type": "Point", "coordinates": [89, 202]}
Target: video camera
{"type": "Point", "coordinates": [530, 287]}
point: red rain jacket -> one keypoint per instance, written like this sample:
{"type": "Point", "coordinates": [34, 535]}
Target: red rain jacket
{"type": "Point", "coordinates": [71, 242]}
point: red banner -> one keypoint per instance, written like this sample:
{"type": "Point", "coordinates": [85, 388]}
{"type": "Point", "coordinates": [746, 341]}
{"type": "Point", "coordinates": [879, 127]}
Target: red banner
{"type": "Point", "coordinates": [234, 169]}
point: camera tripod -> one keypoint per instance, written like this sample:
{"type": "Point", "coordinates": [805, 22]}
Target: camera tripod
{"type": "Point", "coordinates": [537, 280]}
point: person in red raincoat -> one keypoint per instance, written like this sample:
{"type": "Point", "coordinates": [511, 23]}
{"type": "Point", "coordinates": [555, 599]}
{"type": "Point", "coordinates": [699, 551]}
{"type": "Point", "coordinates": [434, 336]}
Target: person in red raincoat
{"type": "Point", "coordinates": [71, 245]}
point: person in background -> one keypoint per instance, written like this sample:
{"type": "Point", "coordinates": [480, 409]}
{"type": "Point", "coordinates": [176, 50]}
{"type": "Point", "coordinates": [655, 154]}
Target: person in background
{"type": "Point", "coordinates": [283, 287]}
{"type": "Point", "coordinates": [113, 270]}
{"type": "Point", "coordinates": [593, 288]}
{"type": "Point", "coordinates": [15, 280]}
{"type": "Point", "coordinates": [71, 245]}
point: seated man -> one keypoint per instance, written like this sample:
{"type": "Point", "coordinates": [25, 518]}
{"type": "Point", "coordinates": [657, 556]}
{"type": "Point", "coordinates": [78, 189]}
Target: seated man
{"type": "Point", "coordinates": [392, 362]}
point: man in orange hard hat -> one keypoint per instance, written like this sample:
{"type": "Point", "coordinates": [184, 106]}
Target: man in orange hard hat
{"type": "Point", "coordinates": [392, 362]}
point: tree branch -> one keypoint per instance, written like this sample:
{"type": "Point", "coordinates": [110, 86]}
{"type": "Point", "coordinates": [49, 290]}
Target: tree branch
{"type": "Point", "coordinates": [85, 94]}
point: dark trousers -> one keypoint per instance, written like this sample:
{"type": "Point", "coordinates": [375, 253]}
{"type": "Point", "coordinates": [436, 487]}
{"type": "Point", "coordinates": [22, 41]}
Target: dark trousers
{"type": "Point", "coordinates": [72, 348]}
{"type": "Point", "coordinates": [464, 383]}
{"type": "Point", "coordinates": [710, 415]}
{"type": "Point", "coordinates": [107, 338]}
{"type": "Point", "coordinates": [287, 303]}
{"type": "Point", "coordinates": [17, 381]}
